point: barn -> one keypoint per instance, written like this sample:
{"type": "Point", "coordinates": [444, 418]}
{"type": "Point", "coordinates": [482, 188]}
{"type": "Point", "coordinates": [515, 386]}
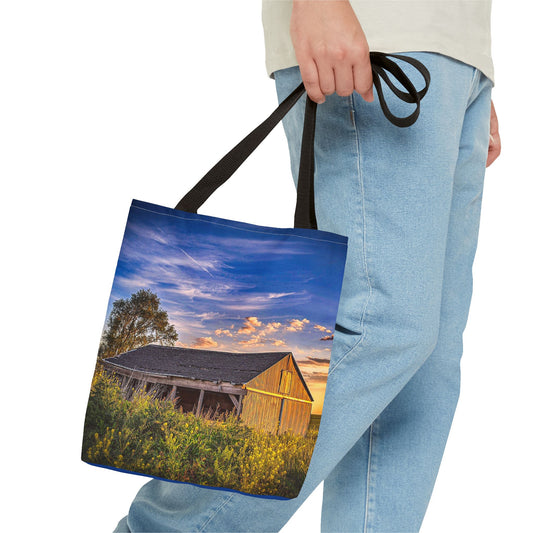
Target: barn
{"type": "Point", "coordinates": [266, 389]}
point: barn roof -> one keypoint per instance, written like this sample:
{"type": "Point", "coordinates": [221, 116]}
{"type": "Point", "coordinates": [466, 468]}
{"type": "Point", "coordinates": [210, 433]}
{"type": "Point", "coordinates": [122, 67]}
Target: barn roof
{"type": "Point", "coordinates": [191, 363]}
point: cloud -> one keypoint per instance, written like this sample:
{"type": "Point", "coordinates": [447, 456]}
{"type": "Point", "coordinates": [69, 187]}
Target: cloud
{"type": "Point", "coordinates": [208, 315]}
{"type": "Point", "coordinates": [271, 327]}
{"type": "Point", "coordinates": [279, 294]}
{"type": "Point", "coordinates": [310, 352]}
{"type": "Point", "coordinates": [278, 342]}
{"type": "Point", "coordinates": [327, 338]}
{"type": "Point", "coordinates": [318, 360]}
{"type": "Point", "coordinates": [314, 362]}
{"type": "Point", "coordinates": [151, 250]}
{"type": "Point", "coordinates": [317, 377]}
{"type": "Point", "coordinates": [192, 292]}
{"type": "Point", "coordinates": [132, 282]}
{"type": "Point", "coordinates": [322, 328]}
{"type": "Point", "coordinates": [249, 246]}
{"type": "Point", "coordinates": [262, 300]}
{"type": "Point", "coordinates": [259, 332]}
{"type": "Point", "coordinates": [214, 291]}
{"type": "Point", "coordinates": [254, 320]}
{"type": "Point", "coordinates": [255, 340]}
{"type": "Point", "coordinates": [197, 263]}
{"type": "Point", "coordinates": [250, 325]}
{"type": "Point", "coordinates": [221, 331]}
{"type": "Point", "coordinates": [297, 325]}
{"type": "Point", "coordinates": [205, 342]}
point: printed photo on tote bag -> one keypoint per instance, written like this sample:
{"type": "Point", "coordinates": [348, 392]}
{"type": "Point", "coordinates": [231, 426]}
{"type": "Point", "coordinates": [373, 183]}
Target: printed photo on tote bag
{"type": "Point", "coordinates": [214, 358]}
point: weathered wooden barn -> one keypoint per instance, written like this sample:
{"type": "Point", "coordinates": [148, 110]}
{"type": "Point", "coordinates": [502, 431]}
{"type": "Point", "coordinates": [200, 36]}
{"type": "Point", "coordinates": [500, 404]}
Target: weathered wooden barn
{"type": "Point", "coordinates": [266, 389]}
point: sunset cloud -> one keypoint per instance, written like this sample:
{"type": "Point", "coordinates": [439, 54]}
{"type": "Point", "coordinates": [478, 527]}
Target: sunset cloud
{"type": "Point", "coordinates": [271, 327]}
{"type": "Point", "coordinates": [205, 342]}
{"type": "Point", "coordinates": [278, 342]}
{"type": "Point", "coordinates": [255, 340]}
{"type": "Point", "coordinates": [322, 328]}
{"type": "Point", "coordinates": [254, 321]}
{"type": "Point", "coordinates": [226, 332]}
{"type": "Point", "coordinates": [302, 353]}
{"type": "Point", "coordinates": [250, 325]}
{"type": "Point", "coordinates": [327, 338]}
{"type": "Point", "coordinates": [312, 379]}
{"type": "Point", "coordinates": [297, 325]}
{"type": "Point", "coordinates": [260, 333]}
{"type": "Point", "coordinates": [318, 360]}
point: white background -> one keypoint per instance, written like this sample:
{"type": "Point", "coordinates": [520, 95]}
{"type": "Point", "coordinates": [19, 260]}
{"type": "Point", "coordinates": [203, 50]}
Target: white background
{"type": "Point", "coordinates": [105, 101]}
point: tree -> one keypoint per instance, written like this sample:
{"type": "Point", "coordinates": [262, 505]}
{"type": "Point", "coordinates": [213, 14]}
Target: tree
{"type": "Point", "coordinates": [135, 322]}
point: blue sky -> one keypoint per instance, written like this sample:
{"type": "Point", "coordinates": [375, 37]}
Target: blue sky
{"type": "Point", "coordinates": [239, 288]}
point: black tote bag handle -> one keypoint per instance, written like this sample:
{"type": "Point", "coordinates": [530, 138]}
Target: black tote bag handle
{"type": "Point", "coordinates": [305, 215]}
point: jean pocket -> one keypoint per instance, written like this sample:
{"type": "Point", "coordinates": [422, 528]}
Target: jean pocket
{"type": "Point", "coordinates": [344, 340]}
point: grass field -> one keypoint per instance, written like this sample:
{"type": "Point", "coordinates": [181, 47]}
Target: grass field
{"type": "Point", "coordinates": [150, 436]}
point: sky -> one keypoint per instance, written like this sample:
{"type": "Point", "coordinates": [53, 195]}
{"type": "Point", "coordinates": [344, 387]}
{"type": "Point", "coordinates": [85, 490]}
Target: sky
{"type": "Point", "coordinates": [240, 288]}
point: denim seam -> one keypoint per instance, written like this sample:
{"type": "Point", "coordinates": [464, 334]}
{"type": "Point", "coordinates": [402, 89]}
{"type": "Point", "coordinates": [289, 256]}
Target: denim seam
{"type": "Point", "coordinates": [475, 77]}
{"type": "Point", "coordinates": [367, 496]}
{"type": "Point", "coordinates": [362, 190]}
{"type": "Point", "coordinates": [215, 512]}
{"type": "Point", "coordinates": [347, 353]}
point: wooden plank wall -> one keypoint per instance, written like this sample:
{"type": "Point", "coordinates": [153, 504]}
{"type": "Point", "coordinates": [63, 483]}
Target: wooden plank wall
{"type": "Point", "coordinates": [270, 378]}
{"type": "Point", "coordinates": [263, 411]}
{"type": "Point", "coordinates": [295, 416]}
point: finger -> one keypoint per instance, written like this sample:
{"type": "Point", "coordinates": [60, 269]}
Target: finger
{"type": "Point", "coordinates": [494, 149]}
{"type": "Point", "coordinates": [491, 157]}
{"type": "Point", "coordinates": [493, 119]}
{"type": "Point", "coordinates": [494, 137]}
{"type": "Point", "coordinates": [362, 76]}
{"type": "Point", "coordinates": [326, 78]}
{"type": "Point", "coordinates": [343, 75]}
{"type": "Point", "coordinates": [310, 79]}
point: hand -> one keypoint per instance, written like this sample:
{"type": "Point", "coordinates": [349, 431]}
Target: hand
{"type": "Point", "coordinates": [495, 146]}
{"type": "Point", "coordinates": [331, 49]}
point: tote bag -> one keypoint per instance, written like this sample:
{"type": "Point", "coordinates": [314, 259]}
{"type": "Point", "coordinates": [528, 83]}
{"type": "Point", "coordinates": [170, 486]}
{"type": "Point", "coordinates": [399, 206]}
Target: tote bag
{"type": "Point", "coordinates": [214, 357]}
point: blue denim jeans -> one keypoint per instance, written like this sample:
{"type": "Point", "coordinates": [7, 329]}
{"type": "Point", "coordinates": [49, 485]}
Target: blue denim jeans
{"type": "Point", "coordinates": [409, 200]}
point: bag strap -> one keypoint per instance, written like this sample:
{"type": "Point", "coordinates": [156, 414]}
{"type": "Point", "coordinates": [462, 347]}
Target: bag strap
{"type": "Point", "coordinates": [380, 62]}
{"type": "Point", "coordinates": [305, 214]}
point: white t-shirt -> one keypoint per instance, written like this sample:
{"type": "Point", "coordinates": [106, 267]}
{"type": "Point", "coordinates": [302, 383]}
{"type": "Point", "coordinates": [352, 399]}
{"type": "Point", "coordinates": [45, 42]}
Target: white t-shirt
{"type": "Point", "coordinates": [456, 28]}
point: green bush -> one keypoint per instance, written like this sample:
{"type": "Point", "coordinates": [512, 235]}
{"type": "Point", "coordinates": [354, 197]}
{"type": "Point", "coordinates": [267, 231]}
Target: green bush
{"type": "Point", "coordinates": [151, 436]}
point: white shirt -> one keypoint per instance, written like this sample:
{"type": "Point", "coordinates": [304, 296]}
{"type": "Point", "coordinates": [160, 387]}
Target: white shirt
{"type": "Point", "coordinates": [456, 28]}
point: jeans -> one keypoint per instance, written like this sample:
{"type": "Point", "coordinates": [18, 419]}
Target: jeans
{"type": "Point", "coordinates": [409, 200]}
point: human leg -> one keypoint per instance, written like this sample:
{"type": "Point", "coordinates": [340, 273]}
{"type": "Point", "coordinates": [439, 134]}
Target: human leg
{"type": "Point", "coordinates": [384, 483]}
{"type": "Point", "coordinates": [389, 190]}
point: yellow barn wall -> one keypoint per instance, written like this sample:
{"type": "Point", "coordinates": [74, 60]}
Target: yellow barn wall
{"type": "Point", "coordinates": [263, 411]}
